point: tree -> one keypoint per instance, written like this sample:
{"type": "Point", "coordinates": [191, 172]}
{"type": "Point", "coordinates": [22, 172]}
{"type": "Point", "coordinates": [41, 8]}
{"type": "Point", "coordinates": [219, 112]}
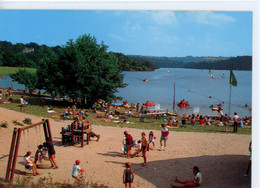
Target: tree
{"type": "Point", "coordinates": [29, 79]}
{"type": "Point", "coordinates": [83, 69]}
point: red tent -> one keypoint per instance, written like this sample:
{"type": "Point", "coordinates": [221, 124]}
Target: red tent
{"type": "Point", "coordinates": [148, 103]}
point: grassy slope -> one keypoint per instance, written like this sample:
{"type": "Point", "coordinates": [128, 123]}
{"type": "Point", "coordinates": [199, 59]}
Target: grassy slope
{"type": "Point", "coordinates": [151, 123]}
{"type": "Point", "coordinates": [5, 71]}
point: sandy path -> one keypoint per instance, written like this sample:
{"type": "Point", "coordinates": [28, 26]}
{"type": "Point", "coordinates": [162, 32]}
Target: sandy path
{"type": "Point", "coordinates": [222, 158]}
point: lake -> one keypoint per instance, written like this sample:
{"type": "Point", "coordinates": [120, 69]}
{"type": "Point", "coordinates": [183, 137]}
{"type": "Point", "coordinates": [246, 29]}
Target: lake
{"type": "Point", "coordinates": [193, 85]}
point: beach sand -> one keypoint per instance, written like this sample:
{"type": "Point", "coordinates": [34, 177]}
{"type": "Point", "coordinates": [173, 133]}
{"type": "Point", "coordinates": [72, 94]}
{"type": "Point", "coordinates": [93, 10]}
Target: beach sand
{"type": "Point", "coordinates": [222, 158]}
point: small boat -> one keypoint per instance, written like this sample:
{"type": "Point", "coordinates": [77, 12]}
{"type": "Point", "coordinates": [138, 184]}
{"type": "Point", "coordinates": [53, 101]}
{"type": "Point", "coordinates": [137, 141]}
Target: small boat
{"type": "Point", "coordinates": [145, 80]}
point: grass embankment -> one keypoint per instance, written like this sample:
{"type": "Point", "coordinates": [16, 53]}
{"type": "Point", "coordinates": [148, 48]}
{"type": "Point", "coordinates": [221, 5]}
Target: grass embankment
{"type": "Point", "coordinates": [150, 123]}
{"type": "Point", "coordinates": [6, 71]}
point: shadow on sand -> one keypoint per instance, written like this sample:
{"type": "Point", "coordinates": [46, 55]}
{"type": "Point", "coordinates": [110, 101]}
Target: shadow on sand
{"type": "Point", "coordinates": [218, 171]}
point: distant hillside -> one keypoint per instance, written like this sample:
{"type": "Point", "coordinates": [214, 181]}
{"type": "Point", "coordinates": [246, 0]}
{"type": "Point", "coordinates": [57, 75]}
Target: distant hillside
{"type": "Point", "coordinates": [29, 55]}
{"type": "Point", "coordinates": [217, 63]}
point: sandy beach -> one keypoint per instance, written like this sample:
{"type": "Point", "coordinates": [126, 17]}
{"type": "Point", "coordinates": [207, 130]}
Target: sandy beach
{"type": "Point", "coordinates": [222, 158]}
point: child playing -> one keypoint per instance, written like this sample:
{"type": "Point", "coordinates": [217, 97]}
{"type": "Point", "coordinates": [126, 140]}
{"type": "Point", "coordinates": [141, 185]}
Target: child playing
{"type": "Point", "coordinates": [128, 176]}
{"type": "Point", "coordinates": [150, 140]}
{"type": "Point", "coordinates": [138, 150]}
{"type": "Point", "coordinates": [144, 146]}
{"type": "Point", "coordinates": [76, 168]}
{"type": "Point", "coordinates": [43, 153]}
{"type": "Point", "coordinates": [38, 154]}
{"type": "Point", "coordinates": [164, 137]}
{"type": "Point", "coordinates": [29, 164]}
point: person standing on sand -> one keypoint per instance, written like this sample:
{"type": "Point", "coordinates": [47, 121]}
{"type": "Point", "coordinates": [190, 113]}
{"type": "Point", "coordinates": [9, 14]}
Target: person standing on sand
{"type": "Point", "coordinates": [225, 121]}
{"type": "Point", "coordinates": [129, 143]}
{"type": "Point", "coordinates": [194, 183]}
{"type": "Point", "coordinates": [144, 146]}
{"type": "Point", "coordinates": [164, 137]}
{"type": "Point", "coordinates": [236, 122]}
{"type": "Point", "coordinates": [128, 176]}
{"type": "Point", "coordinates": [51, 152]}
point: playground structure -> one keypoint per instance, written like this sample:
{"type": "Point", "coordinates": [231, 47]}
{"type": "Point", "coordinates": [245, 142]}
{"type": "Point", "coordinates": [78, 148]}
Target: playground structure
{"type": "Point", "coordinates": [16, 142]}
{"type": "Point", "coordinates": [69, 135]}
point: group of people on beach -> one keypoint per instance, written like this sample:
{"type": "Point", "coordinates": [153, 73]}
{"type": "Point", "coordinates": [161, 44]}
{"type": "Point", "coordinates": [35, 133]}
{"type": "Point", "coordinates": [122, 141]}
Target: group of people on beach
{"type": "Point", "coordinates": [143, 144]}
{"type": "Point", "coordinates": [40, 154]}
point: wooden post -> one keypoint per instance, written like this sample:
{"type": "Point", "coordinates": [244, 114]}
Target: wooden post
{"type": "Point", "coordinates": [62, 136]}
{"type": "Point", "coordinates": [15, 154]}
{"type": "Point", "coordinates": [11, 155]}
{"type": "Point", "coordinates": [45, 130]}
{"type": "Point", "coordinates": [82, 136]}
{"type": "Point", "coordinates": [72, 134]}
{"type": "Point", "coordinates": [49, 130]}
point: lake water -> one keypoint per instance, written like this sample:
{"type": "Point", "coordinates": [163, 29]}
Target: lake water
{"type": "Point", "coordinates": [193, 85]}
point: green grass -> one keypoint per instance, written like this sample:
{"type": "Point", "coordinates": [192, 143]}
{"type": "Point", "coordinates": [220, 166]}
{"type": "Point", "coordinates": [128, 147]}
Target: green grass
{"type": "Point", "coordinates": [6, 71]}
{"type": "Point", "coordinates": [35, 108]}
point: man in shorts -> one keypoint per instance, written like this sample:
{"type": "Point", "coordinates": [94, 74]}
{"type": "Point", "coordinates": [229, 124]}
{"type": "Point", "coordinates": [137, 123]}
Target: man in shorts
{"type": "Point", "coordinates": [129, 143]}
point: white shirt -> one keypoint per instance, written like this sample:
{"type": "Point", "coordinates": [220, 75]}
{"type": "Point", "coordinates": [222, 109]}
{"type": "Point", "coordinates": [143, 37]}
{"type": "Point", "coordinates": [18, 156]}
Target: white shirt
{"type": "Point", "coordinates": [198, 175]}
{"type": "Point", "coordinates": [75, 170]}
{"type": "Point", "coordinates": [27, 161]}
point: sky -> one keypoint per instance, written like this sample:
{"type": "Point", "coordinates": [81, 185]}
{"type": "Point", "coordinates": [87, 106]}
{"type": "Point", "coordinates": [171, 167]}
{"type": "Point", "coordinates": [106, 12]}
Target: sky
{"type": "Point", "coordinates": [153, 33]}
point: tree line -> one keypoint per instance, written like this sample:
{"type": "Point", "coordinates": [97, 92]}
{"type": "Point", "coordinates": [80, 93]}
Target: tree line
{"type": "Point", "coordinates": [31, 55]}
{"type": "Point", "coordinates": [216, 63]}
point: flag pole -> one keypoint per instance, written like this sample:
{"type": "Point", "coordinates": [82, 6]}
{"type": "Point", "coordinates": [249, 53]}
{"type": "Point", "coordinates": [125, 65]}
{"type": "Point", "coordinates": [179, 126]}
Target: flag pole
{"type": "Point", "coordinates": [229, 99]}
{"type": "Point", "coordinates": [174, 97]}
{"type": "Point", "coordinates": [229, 90]}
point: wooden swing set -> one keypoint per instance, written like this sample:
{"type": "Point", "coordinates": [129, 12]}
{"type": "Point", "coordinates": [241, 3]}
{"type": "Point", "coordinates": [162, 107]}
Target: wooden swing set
{"type": "Point", "coordinates": [16, 142]}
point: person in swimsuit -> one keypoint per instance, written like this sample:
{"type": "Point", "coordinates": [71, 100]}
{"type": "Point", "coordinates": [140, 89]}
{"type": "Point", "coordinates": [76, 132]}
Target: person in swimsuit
{"type": "Point", "coordinates": [144, 147]}
{"type": "Point", "coordinates": [128, 176]}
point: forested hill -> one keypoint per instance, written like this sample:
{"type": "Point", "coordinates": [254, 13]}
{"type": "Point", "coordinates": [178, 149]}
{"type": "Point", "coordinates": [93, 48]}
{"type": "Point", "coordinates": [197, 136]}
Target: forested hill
{"type": "Point", "coordinates": [31, 54]}
{"type": "Point", "coordinates": [217, 63]}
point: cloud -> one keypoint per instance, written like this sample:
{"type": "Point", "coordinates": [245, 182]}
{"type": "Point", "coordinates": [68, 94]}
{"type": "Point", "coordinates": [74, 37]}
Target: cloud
{"type": "Point", "coordinates": [116, 37]}
{"type": "Point", "coordinates": [163, 17]}
{"type": "Point", "coordinates": [212, 18]}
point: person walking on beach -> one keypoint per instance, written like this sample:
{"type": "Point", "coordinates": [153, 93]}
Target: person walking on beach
{"type": "Point", "coordinates": [128, 176]}
{"type": "Point", "coordinates": [144, 147]}
{"type": "Point", "coordinates": [194, 183]}
{"type": "Point", "coordinates": [164, 137]}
